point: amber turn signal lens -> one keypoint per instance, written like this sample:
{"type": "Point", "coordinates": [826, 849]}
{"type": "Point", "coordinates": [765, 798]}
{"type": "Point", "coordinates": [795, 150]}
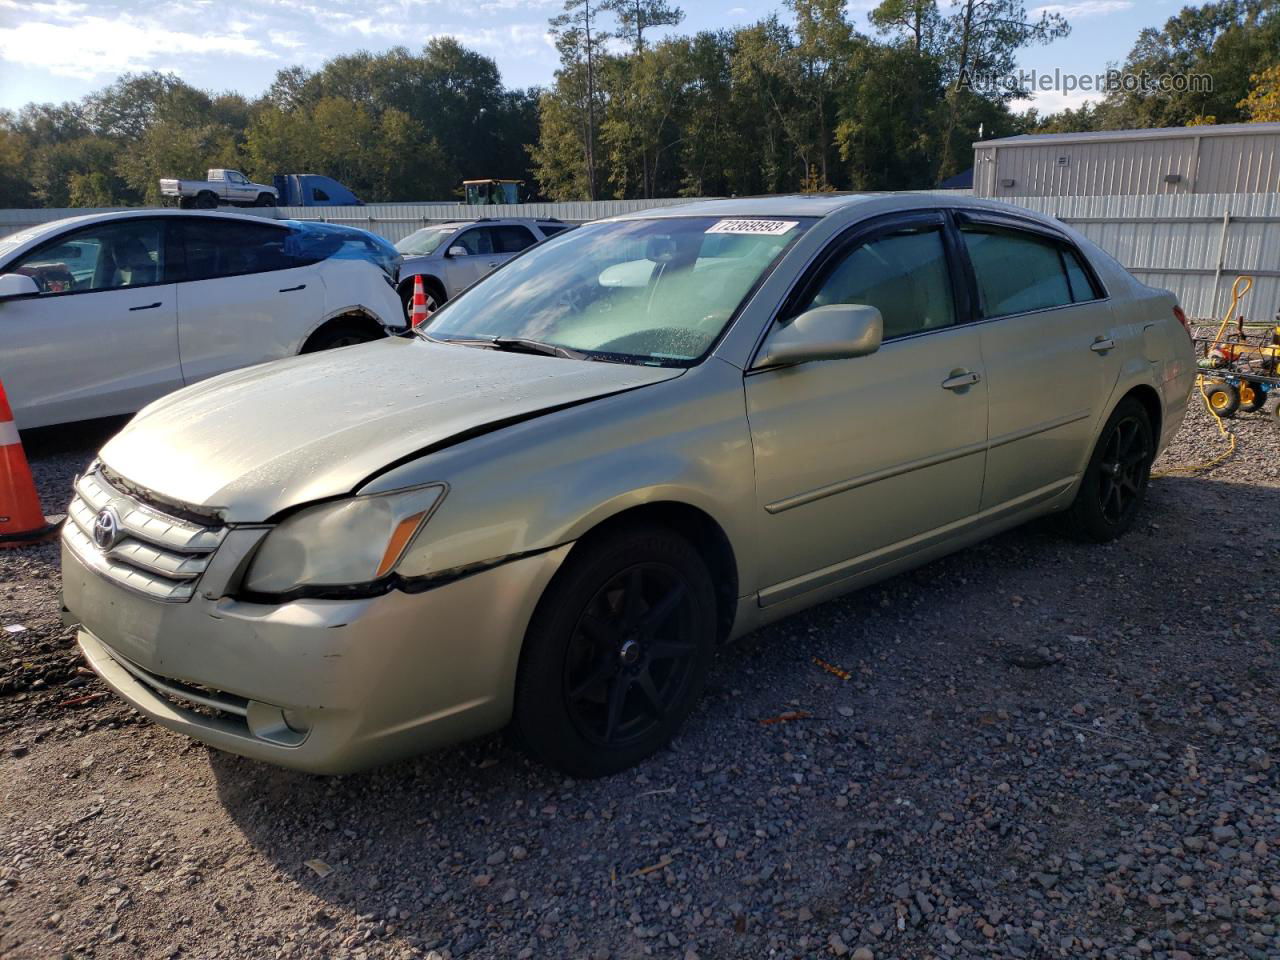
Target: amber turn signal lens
{"type": "Point", "coordinates": [400, 538]}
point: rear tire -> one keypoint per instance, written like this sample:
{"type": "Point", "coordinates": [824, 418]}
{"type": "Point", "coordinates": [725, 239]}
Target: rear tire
{"type": "Point", "coordinates": [1115, 481]}
{"type": "Point", "coordinates": [205, 201]}
{"type": "Point", "coordinates": [617, 652]}
{"type": "Point", "coordinates": [1223, 398]}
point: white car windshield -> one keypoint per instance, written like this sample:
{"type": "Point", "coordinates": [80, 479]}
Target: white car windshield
{"type": "Point", "coordinates": [656, 291]}
{"type": "Point", "coordinates": [425, 241]}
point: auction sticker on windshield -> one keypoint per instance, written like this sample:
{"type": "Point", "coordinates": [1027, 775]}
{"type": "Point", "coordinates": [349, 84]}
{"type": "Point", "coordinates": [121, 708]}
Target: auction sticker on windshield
{"type": "Point", "coordinates": [766, 228]}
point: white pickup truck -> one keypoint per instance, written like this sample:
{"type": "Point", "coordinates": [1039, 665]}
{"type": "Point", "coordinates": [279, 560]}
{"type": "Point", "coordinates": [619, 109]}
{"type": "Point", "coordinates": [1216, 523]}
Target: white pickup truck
{"type": "Point", "coordinates": [221, 186]}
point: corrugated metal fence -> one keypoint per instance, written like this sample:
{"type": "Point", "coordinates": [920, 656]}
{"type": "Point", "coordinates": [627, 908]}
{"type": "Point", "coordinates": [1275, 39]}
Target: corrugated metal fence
{"type": "Point", "coordinates": [1194, 245]}
{"type": "Point", "coordinates": [391, 220]}
{"type": "Point", "coordinates": [397, 220]}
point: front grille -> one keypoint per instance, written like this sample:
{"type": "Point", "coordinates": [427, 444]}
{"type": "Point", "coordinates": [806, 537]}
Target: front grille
{"type": "Point", "coordinates": [155, 554]}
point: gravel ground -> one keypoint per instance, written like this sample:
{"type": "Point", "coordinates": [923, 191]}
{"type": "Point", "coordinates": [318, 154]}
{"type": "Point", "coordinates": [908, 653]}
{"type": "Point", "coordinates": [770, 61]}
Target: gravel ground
{"type": "Point", "coordinates": [1033, 748]}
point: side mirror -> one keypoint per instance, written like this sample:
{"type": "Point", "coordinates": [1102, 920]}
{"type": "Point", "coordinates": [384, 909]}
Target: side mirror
{"type": "Point", "coordinates": [457, 252]}
{"type": "Point", "coordinates": [834, 332]}
{"type": "Point", "coordinates": [17, 285]}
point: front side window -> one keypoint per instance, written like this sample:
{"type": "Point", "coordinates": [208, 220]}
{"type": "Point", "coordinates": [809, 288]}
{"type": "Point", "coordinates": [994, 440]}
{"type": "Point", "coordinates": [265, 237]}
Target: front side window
{"type": "Point", "coordinates": [902, 274]}
{"type": "Point", "coordinates": [1016, 272]}
{"type": "Point", "coordinates": [477, 242]}
{"type": "Point", "coordinates": [657, 290]}
{"type": "Point", "coordinates": [319, 196]}
{"type": "Point", "coordinates": [106, 256]}
{"type": "Point", "coordinates": [227, 248]}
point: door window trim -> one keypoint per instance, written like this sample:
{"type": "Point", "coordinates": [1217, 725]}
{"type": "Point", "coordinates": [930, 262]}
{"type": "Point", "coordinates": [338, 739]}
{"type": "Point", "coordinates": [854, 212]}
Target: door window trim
{"type": "Point", "coordinates": [167, 273]}
{"type": "Point", "coordinates": [963, 302]}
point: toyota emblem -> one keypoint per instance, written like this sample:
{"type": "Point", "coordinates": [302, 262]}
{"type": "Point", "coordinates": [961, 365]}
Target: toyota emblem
{"type": "Point", "coordinates": [106, 528]}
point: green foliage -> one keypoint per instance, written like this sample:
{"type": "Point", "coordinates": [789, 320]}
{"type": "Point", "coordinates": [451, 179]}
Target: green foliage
{"type": "Point", "coordinates": [1229, 40]}
{"type": "Point", "coordinates": [392, 126]}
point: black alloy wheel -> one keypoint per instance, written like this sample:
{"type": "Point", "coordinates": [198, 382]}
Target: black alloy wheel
{"type": "Point", "coordinates": [1123, 470]}
{"type": "Point", "coordinates": [631, 656]}
{"type": "Point", "coordinates": [617, 651]}
{"type": "Point", "coordinates": [1115, 481]}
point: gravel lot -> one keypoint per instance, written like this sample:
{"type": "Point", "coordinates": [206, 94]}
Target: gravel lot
{"type": "Point", "coordinates": [1037, 749]}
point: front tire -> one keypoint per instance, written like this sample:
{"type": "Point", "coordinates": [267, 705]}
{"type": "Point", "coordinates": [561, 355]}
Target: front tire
{"type": "Point", "coordinates": [1115, 481]}
{"type": "Point", "coordinates": [265, 200]}
{"type": "Point", "coordinates": [346, 333]}
{"type": "Point", "coordinates": [617, 652]}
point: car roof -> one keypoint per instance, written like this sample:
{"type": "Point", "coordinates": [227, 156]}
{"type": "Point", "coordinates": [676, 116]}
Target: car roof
{"type": "Point", "coordinates": [29, 236]}
{"type": "Point", "coordinates": [832, 204]}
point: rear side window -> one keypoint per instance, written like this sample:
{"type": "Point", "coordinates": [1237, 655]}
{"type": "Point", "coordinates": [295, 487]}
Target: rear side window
{"type": "Point", "coordinates": [512, 238]}
{"type": "Point", "coordinates": [903, 275]}
{"type": "Point", "coordinates": [1083, 287]}
{"type": "Point", "coordinates": [1017, 272]}
{"type": "Point", "coordinates": [226, 248]}
{"type": "Point", "coordinates": [551, 229]}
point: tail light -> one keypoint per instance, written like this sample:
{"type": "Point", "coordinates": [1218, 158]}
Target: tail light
{"type": "Point", "coordinates": [1182, 319]}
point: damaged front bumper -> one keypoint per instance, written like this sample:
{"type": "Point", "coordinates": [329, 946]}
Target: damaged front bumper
{"type": "Point", "coordinates": [324, 686]}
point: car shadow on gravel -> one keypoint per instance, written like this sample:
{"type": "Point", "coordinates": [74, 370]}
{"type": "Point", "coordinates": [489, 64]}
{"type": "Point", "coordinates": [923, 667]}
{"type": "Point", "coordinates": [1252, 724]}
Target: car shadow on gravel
{"type": "Point", "coordinates": [898, 681]}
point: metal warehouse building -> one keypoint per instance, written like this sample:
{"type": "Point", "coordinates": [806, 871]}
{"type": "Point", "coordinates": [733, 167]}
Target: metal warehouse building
{"type": "Point", "coordinates": [1231, 158]}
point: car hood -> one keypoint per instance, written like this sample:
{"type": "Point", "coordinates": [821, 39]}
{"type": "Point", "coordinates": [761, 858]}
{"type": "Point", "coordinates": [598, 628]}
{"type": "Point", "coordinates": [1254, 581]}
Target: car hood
{"type": "Point", "coordinates": [254, 442]}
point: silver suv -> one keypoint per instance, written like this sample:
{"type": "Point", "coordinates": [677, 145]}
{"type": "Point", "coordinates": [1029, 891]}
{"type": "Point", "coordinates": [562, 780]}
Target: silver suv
{"type": "Point", "coordinates": [452, 256]}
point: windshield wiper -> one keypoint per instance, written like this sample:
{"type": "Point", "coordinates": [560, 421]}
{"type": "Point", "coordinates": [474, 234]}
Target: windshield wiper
{"type": "Point", "coordinates": [525, 345]}
{"type": "Point", "coordinates": [510, 345]}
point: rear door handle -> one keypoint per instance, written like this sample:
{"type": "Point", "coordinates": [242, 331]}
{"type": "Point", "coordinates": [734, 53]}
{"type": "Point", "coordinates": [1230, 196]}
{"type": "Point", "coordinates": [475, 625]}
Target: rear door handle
{"type": "Point", "coordinates": [1102, 345]}
{"type": "Point", "coordinates": [493, 263]}
{"type": "Point", "coordinates": [961, 380]}
{"type": "Point", "coordinates": [301, 286]}
{"type": "Point", "coordinates": [146, 306]}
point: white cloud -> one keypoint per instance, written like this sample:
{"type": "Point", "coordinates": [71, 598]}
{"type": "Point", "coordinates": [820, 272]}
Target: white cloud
{"type": "Point", "coordinates": [1084, 8]}
{"type": "Point", "coordinates": [1054, 101]}
{"type": "Point", "coordinates": [93, 46]}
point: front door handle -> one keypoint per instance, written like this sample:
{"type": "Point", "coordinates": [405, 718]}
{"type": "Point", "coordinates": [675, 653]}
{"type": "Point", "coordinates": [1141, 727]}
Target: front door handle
{"type": "Point", "coordinates": [958, 381]}
{"type": "Point", "coordinates": [145, 306]}
{"type": "Point", "coordinates": [1102, 345]}
{"type": "Point", "coordinates": [301, 286]}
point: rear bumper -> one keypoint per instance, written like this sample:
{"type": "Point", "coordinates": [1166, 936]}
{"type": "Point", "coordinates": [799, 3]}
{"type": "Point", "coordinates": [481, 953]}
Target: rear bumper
{"type": "Point", "coordinates": [320, 686]}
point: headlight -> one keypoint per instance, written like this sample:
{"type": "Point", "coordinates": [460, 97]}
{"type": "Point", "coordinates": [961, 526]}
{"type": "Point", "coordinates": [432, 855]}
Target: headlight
{"type": "Point", "coordinates": [347, 543]}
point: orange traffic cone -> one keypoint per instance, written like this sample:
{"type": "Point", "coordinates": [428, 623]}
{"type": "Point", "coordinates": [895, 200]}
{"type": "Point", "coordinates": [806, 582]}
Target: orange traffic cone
{"type": "Point", "coordinates": [21, 519]}
{"type": "Point", "coordinates": [420, 311]}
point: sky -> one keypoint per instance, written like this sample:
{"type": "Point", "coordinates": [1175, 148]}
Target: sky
{"type": "Point", "coordinates": [56, 50]}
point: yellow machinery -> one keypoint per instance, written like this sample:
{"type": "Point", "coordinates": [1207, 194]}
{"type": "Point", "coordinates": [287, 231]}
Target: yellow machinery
{"type": "Point", "coordinates": [484, 193]}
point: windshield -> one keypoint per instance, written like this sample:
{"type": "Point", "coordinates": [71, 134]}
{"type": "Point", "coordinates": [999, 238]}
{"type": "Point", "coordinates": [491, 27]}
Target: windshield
{"type": "Point", "coordinates": [645, 291]}
{"type": "Point", "coordinates": [424, 241]}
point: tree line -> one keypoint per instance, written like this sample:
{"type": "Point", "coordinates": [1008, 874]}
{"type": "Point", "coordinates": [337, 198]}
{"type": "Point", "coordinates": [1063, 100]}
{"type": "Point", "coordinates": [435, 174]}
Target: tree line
{"type": "Point", "coordinates": [805, 99]}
